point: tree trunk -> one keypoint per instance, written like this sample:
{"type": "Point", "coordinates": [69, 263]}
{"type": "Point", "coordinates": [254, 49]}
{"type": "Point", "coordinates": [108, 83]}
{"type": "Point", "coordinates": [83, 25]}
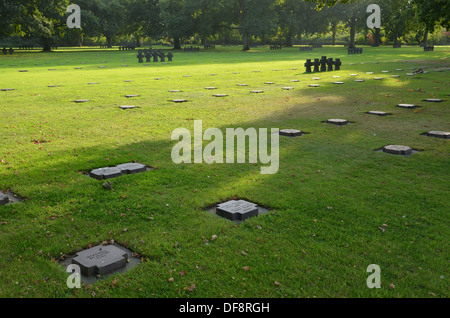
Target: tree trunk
{"type": "Point", "coordinates": [352, 33]}
{"type": "Point", "coordinates": [46, 44]}
{"type": "Point", "coordinates": [245, 41]}
{"type": "Point", "coordinates": [263, 39]}
{"type": "Point", "coordinates": [109, 41]}
{"type": "Point", "coordinates": [289, 39]}
{"type": "Point", "coordinates": [333, 33]}
{"type": "Point", "coordinates": [176, 43]}
{"type": "Point", "coordinates": [425, 38]}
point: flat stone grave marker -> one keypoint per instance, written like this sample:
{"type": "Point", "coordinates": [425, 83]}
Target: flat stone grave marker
{"type": "Point", "coordinates": [53, 85]}
{"type": "Point", "coordinates": [220, 95]}
{"type": "Point", "coordinates": [353, 74]}
{"type": "Point", "coordinates": [179, 100]}
{"type": "Point", "coordinates": [130, 168]}
{"type": "Point", "coordinates": [378, 78]}
{"type": "Point", "coordinates": [174, 91]}
{"type": "Point", "coordinates": [131, 96]}
{"type": "Point", "coordinates": [295, 81]}
{"type": "Point", "coordinates": [410, 74]}
{"type": "Point", "coordinates": [93, 83]}
{"type": "Point", "coordinates": [269, 83]}
{"type": "Point", "coordinates": [335, 76]}
{"type": "Point", "coordinates": [7, 89]}
{"type": "Point", "coordinates": [314, 85]}
{"type": "Point", "coordinates": [359, 80]}
{"type": "Point", "coordinates": [237, 210]}
{"type": "Point", "coordinates": [408, 106]}
{"type": "Point", "coordinates": [287, 88]}
{"type": "Point", "coordinates": [105, 173]}
{"type": "Point", "coordinates": [100, 260]}
{"type": "Point", "coordinates": [127, 107]}
{"type": "Point", "coordinates": [257, 92]}
{"type": "Point", "coordinates": [210, 88]}
{"type": "Point", "coordinates": [369, 73]}
{"type": "Point", "coordinates": [78, 68]}
{"type": "Point", "coordinates": [187, 76]}
{"type": "Point", "coordinates": [23, 71]}
{"type": "Point", "coordinates": [398, 150]}
{"type": "Point", "coordinates": [438, 134]}
{"type": "Point", "coordinates": [81, 101]}
{"type": "Point", "coordinates": [378, 113]}
{"type": "Point", "coordinates": [339, 83]}
{"type": "Point", "coordinates": [242, 84]}
{"type": "Point", "coordinates": [399, 69]}
{"type": "Point", "coordinates": [4, 199]}
{"type": "Point", "coordinates": [395, 76]}
{"type": "Point", "coordinates": [315, 78]}
{"type": "Point", "coordinates": [433, 100]}
{"type": "Point", "coordinates": [101, 66]}
{"type": "Point", "coordinates": [339, 122]}
{"type": "Point", "coordinates": [290, 132]}
{"type": "Point", "coordinates": [127, 81]}
{"type": "Point", "coordinates": [384, 71]}
{"type": "Point", "coordinates": [158, 78]}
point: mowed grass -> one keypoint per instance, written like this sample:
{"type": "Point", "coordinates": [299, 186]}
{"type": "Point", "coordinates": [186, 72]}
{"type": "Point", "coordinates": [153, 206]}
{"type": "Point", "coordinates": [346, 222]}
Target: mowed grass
{"type": "Point", "coordinates": [329, 202]}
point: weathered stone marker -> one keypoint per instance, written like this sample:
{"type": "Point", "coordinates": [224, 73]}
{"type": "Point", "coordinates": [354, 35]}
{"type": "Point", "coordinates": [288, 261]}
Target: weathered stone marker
{"type": "Point", "coordinates": [438, 134]}
{"type": "Point", "coordinates": [130, 168]}
{"type": "Point", "coordinates": [105, 173]}
{"type": "Point", "coordinates": [290, 132]}
{"type": "Point", "coordinates": [398, 150]}
{"type": "Point", "coordinates": [339, 122]}
{"type": "Point", "coordinates": [377, 113]}
{"type": "Point", "coordinates": [3, 199]}
{"type": "Point", "coordinates": [408, 106]}
{"type": "Point", "coordinates": [100, 260]}
{"type": "Point", "coordinates": [237, 210]}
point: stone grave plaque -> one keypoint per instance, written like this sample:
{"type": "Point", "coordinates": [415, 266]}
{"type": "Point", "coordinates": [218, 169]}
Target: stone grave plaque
{"type": "Point", "coordinates": [210, 88]}
{"type": "Point", "coordinates": [398, 150]}
{"type": "Point", "coordinates": [127, 107]}
{"type": "Point", "coordinates": [23, 71]}
{"type": "Point", "coordinates": [130, 168]}
{"type": "Point", "coordinates": [377, 113]}
{"type": "Point", "coordinates": [7, 89]}
{"type": "Point", "coordinates": [220, 95]}
{"type": "Point", "coordinates": [314, 85]}
{"type": "Point", "coordinates": [378, 78]}
{"type": "Point", "coordinates": [369, 73]}
{"type": "Point", "coordinates": [384, 71]}
{"type": "Point", "coordinates": [395, 76]}
{"type": "Point", "coordinates": [269, 83]}
{"type": "Point", "coordinates": [242, 84]}
{"type": "Point", "coordinates": [257, 92]}
{"type": "Point", "coordinates": [131, 96]}
{"type": "Point", "coordinates": [174, 91]}
{"type": "Point", "coordinates": [315, 78]}
{"type": "Point", "coordinates": [335, 76]}
{"type": "Point", "coordinates": [353, 74]}
{"type": "Point", "coordinates": [105, 173]}
{"type": "Point", "coordinates": [158, 78]}
{"type": "Point", "coordinates": [53, 85]}
{"type": "Point", "coordinates": [179, 100]}
{"type": "Point", "coordinates": [359, 80]}
{"type": "Point", "coordinates": [339, 122]}
{"type": "Point", "coordinates": [4, 199]}
{"type": "Point", "coordinates": [399, 69]}
{"type": "Point", "coordinates": [438, 134]}
{"type": "Point", "coordinates": [287, 88]}
{"type": "Point", "coordinates": [291, 132]}
{"type": "Point", "coordinates": [433, 100]}
{"type": "Point", "coordinates": [100, 260]}
{"type": "Point", "coordinates": [338, 83]}
{"type": "Point", "coordinates": [237, 210]}
{"type": "Point", "coordinates": [127, 81]}
{"type": "Point", "coordinates": [81, 101]}
{"type": "Point", "coordinates": [295, 81]}
{"type": "Point", "coordinates": [408, 106]}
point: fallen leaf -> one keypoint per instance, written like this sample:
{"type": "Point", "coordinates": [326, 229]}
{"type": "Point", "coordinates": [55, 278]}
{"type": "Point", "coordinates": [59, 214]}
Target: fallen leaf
{"type": "Point", "coordinates": [391, 286]}
{"type": "Point", "coordinates": [277, 283]}
{"type": "Point", "coordinates": [190, 288]}
{"type": "Point", "coordinates": [246, 268]}
{"type": "Point", "coordinates": [171, 279]}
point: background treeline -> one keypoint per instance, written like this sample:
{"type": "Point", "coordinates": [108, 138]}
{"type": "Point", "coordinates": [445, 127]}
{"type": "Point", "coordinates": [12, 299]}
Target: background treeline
{"type": "Point", "coordinates": [244, 22]}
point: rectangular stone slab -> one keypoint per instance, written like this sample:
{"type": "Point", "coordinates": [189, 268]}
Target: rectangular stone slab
{"type": "Point", "coordinates": [237, 210]}
{"type": "Point", "coordinates": [4, 199]}
{"type": "Point", "coordinates": [100, 260]}
{"type": "Point", "coordinates": [129, 168]}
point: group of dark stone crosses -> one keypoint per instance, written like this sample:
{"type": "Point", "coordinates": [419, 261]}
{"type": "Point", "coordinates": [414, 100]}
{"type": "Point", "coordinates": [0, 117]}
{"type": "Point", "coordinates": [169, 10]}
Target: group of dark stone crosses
{"type": "Point", "coordinates": [323, 64]}
{"type": "Point", "coordinates": [149, 53]}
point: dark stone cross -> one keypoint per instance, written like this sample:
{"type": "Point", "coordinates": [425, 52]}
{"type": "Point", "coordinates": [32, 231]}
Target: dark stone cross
{"type": "Point", "coordinates": [323, 64]}
{"type": "Point", "coordinates": [170, 56]}
{"type": "Point", "coordinates": [155, 56]}
{"type": "Point", "coordinates": [337, 65]}
{"type": "Point", "coordinates": [140, 56]}
{"type": "Point", "coordinates": [162, 56]}
{"type": "Point", "coordinates": [148, 55]}
{"type": "Point", "coordinates": [308, 65]}
{"type": "Point", "coordinates": [316, 65]}
{"type": "Point", "coordinates": [330, 64]}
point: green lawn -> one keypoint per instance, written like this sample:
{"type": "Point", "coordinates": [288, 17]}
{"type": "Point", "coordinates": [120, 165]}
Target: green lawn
{"type": "Point", "coordinates": [329, 201]}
